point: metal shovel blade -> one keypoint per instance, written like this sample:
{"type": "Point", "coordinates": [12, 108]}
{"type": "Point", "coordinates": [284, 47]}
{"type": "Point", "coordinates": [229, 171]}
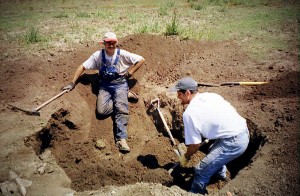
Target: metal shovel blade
{"type": "Point", "coordinates": [32, 112]}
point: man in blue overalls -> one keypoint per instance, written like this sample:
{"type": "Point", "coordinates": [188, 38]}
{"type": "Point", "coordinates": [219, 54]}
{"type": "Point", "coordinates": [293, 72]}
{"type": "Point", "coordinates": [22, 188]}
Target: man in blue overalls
{"type": "Point", "coordinates": [113, 65]}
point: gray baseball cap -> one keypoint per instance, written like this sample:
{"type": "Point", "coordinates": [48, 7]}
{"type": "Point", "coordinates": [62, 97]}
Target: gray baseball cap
{"type": "Point", "coordinates": [186, 83]}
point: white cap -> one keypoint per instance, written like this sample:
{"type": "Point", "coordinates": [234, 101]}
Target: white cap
{"type": "Point", "coordinates": [110, 37]}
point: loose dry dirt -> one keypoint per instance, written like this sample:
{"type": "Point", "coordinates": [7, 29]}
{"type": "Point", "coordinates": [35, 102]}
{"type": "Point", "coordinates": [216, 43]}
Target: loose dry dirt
{"type": "Point", "coordinates": [57, 152]}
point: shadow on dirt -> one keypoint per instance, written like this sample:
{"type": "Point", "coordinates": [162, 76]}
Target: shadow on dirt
{"type": "Point", "coordinates": [56, 126]}
{"type": "Point", "coordinates": [257, 141]}
{"type": "Point", "coordinates": [149, 161]}
{"type": "Point", "coordinates": [285, 85]}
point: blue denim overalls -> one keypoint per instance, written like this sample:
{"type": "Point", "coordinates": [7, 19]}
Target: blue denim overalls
{"type": "Point", "coordinates": [113, 95]}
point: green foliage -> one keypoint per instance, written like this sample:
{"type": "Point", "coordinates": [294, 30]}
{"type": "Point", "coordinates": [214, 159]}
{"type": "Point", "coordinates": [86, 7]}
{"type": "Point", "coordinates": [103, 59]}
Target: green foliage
{"type": "Point", "coordinates": [143, 29]}
{"type": "Point", "coordinates": [83, 15]}
{"type": "Point", "coordinates": [150, 27]}
{"type": "Point", "coordinates": [163, 9]}
{"type": "Point", "coordinates": [172, 28]}
{"type": "Point", "coordinates": [254, 25]}
{"type": "Point", "coordinates": [62, 15]}
{"type": "Point", "coordinates": [32, 36]}
{"type": "Point", "coordinates": [197, 6]}
{"type": "Point", "coordinates": [155, 27]}
{"type": "Point", "coordinates": [107, 15]}
{"type": "Point", "coordinates": [201, 4]}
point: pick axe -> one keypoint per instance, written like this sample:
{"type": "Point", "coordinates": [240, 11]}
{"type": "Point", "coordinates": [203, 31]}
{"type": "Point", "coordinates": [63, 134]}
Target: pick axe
{"type": "Point", "coordinates": [35, 111]}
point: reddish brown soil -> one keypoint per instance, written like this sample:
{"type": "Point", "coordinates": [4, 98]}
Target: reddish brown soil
{"type": "Point", "coordinates": [269, 167]}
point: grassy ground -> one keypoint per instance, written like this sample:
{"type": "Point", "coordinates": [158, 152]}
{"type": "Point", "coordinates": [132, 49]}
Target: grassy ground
{"type": "Point", "coordinates": [257, 25]}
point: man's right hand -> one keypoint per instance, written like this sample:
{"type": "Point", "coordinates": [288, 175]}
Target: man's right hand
{"type": "Point", "coordinates": [182, 160]}
{"type": "Point", "coordinates": [127, 75]}
{"type": "Point", "coordinates": [69, 87]}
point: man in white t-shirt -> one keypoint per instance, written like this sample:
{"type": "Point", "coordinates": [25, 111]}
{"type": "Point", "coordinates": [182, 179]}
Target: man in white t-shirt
{"type": "Point", "coordinates": [115, 66]}
{"type": "Point", "coordinates": [209, 116]}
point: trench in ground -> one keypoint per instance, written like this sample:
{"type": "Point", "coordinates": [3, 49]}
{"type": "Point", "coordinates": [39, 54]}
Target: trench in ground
{"type": "Point", "coordinates": [90, 169]}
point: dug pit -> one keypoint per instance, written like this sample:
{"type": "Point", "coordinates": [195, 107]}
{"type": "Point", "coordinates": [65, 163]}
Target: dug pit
{"type": "Point", "coordinates": [91, 167]}
{"type": "Point", "coordinates": [84, 147]}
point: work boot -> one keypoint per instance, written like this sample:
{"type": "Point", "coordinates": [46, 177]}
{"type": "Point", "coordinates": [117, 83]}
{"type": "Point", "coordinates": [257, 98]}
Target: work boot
{"type": "Point", "coordinates": [226, 179]}
{"type": "Point", "coordinates": [132, 96]}
{"type": "Point", "coordinates": [123, 146]}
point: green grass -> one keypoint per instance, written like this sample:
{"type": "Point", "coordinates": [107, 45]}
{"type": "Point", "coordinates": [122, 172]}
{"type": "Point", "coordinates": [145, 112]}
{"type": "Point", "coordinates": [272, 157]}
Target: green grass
{"type": "Point", "coordinates": [172, 28]}
{"type": "Point", "coordinates": [257, 25]}
{"type": "Point", "coordinates": [62, 15]}
{"type": "Point", "coordinates": [32, 36]}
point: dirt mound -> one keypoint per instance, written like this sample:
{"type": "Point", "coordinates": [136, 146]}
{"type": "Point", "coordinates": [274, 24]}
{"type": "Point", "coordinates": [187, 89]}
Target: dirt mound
{"type": "Point", "coordinates": [73, 131]}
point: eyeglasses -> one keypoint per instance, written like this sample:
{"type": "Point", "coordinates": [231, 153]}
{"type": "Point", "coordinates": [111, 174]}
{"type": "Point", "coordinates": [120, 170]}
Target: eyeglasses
{"type": "Point", "coordinates": [110, 43]}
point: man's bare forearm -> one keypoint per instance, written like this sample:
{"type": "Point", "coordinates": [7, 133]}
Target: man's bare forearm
{"type": "Point", "coordinates": [192, 149]}
{"type": "Point", "coordinates": [134, 68]}
{"type": "Point", "coordinates": [78, 73]}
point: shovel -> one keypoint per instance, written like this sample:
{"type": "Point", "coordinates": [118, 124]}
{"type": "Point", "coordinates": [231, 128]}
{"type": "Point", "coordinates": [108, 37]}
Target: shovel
{"type": "Point", "coordinates": [242, 83]}
{"type": "Point", "coordinates": [232, 84]}
{"type": "Point", "coordinates": [35, 111]}
{"type": "Point", "coordinates": [182, 154]}
{"type": "Point", "coordinates": [163, 119]}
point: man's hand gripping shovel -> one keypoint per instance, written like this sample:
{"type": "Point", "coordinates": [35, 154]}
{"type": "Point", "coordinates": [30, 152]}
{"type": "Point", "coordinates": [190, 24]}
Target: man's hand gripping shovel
{"type": "Point", "coordinates": [181, 153]}
{"type": "Point", "coordinates": [155, 103]}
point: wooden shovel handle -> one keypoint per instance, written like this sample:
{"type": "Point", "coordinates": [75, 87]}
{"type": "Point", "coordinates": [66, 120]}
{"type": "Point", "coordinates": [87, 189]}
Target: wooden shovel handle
{"type": "Point", "coordinates": [53, 98]}
{"type": "Point", "coordinates": [242, 83]}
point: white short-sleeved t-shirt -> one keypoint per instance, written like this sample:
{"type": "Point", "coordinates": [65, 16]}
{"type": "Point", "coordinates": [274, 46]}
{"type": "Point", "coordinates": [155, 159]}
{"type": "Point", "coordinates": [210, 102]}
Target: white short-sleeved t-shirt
{"type": "Point", "coordinates": [210, 116]}
{"type": "Point", "coordinates": [126, 59]}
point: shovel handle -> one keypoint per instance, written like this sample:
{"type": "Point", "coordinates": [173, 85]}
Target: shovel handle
{"type": "Point", "coordinates": [242, 83]}
{"type": "Point", "coordinates": [208, 84]}
{"type": "Point", "coordinates": [172, 168]}
{"type": "Point", "coordinates": [166, 126]}
{"type": "Point", "coordinates": [53, 98]}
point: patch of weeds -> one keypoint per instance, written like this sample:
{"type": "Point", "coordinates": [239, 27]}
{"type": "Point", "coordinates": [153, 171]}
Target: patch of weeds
{"type": "Point", "coordinates": [121, 27]}
{"type": "Point", "coordinates": [203, 33]}
{"type": "Point", "coordinates": [32, 35]}
{"type": "Point", "coordinates": [134, 17]}
{"type": "Point", "coordinates": [163, 9]}
{"type": "Point", "coordinates": [172, 28]}
{"type": "Point", "coordinates": [62, 15]}
{"type": "Point", "coordinates": [197, 6]}
{"type": "Point", "coordinates": [75, 26]}
{"type": "Point", "coordinates": [171, 3]}
{"type": "Point", "coordinates": [83, 15]}
{"type": "Point", "coordinates": [143, 29]}
{"type": "Point", "coordinates": [222, 9]}
{"type": "Point", "coordinates": [155, 27]}
{"type": "Point", "coordinates": [103, 14]}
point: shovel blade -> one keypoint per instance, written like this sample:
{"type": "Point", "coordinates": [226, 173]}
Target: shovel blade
{"type": "Point", "coordinates": [32, 113]}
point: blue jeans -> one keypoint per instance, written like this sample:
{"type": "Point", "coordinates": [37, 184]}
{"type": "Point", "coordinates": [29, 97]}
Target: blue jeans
{"type": "Point", "coordinates": [113, 97]}
{"type": "Point", "coordinates": [221, 152]}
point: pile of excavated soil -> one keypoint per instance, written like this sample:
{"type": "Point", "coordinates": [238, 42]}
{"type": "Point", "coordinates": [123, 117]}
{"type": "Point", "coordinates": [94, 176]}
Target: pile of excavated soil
{"type": "Point", "coordinates": [72, 131]}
